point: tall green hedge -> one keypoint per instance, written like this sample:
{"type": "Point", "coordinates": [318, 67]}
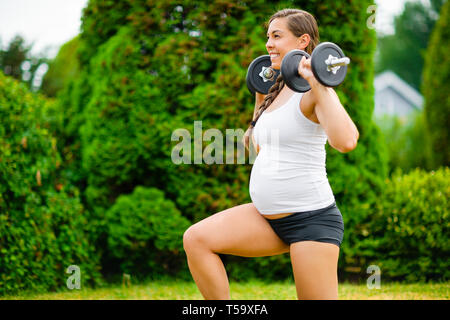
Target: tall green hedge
{"type": "Point", "coordinates": [151, 67]}
{"type": "Point", "coordinates": [436, 86]}
{"type": "Point", "coordinates": [42, 220]}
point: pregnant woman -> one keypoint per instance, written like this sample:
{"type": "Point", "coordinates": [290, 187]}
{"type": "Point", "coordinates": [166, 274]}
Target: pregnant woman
{"type": "Point", "coordinates": [293, 207]}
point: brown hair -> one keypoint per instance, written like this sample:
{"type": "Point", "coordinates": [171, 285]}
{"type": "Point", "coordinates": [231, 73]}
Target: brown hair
{"type": "Point", "coordinates": [299, 22]}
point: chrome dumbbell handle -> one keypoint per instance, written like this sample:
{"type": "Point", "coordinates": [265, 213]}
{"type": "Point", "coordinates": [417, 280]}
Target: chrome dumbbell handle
{"type": "Point", "coordinates": [334, 63]}
{"type": "Point", "coordinates": [267, 74]}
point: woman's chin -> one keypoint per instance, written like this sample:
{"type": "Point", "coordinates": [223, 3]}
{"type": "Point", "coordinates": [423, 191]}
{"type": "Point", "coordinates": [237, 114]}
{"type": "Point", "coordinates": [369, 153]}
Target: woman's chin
{"type": "Point", "coordinates": [276, 66]}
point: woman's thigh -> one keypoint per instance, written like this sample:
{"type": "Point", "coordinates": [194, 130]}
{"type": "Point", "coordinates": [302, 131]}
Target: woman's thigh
{"type": "Point", "coordinates": [315, 269]}
{"type": "Point", "coordinates": [240, 231]}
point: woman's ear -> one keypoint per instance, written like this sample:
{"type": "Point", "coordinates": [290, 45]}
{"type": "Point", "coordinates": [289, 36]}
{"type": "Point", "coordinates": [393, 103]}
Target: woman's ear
{"type": "Point", "coordinates": [303, 41]}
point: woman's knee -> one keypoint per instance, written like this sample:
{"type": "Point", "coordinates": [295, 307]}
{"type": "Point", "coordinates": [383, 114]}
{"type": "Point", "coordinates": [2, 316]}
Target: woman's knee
{"type": "Point", "coordinates": [192, 239]}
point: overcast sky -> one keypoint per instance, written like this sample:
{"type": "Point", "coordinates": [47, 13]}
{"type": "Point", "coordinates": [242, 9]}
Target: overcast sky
{"type": "Point", "coordinates": [51, 23]}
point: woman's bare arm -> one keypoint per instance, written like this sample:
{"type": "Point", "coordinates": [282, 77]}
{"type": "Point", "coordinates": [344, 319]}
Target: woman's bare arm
{"type": "Point", "coordinates": [339, 127]}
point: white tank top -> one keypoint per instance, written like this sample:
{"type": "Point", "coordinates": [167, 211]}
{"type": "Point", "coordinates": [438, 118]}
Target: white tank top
{"type": "Point", "coordinates": [289, 173]}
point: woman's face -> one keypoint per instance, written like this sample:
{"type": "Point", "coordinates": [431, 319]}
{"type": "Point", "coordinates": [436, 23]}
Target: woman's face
{"type": "Point", "coordinates": [280, 40]}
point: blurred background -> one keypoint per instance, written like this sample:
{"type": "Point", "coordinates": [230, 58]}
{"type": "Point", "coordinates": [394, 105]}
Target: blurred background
{"type": "Point", "coordinates": [90, 92]}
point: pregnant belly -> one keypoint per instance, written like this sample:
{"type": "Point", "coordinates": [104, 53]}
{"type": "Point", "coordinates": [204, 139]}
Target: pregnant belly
{"type": "Point", "coordinates": [277, 186]}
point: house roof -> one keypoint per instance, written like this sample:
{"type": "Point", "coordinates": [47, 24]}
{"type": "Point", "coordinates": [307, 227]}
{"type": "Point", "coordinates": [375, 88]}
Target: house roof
{"type": "Point", "coordinates": [394, 82]}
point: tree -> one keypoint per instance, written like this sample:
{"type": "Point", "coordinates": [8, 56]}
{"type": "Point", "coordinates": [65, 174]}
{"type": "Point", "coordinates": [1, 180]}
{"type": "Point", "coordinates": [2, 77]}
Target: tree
{"type": "Point", "coordinates": [436, 87]}
{"type": "Point", "coordinates": [12, 58]}
{"type": "Point", "coordinates": [62, 68]}
{"type": "Point", "coordinates": [16, 61]}
{"type": "Point", "coordinates": [404, 51]}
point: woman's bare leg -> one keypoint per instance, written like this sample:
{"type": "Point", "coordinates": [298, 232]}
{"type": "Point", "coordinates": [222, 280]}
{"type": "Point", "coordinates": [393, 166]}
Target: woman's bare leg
{"type": "Point", "coordinates": [315, 270]}
{"type": "Point", "coordinates": [240, 231]}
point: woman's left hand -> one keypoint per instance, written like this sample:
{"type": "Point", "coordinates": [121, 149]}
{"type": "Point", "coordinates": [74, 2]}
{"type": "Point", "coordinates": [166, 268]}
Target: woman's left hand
{"type": "Point", "coordinates": [304, 70]}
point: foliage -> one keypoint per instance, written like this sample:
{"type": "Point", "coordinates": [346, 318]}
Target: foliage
{"type": "Point", "coordinates": [16, 61]}
{"type": "Point", "coordinates": [407, 140]}
{"type": "Point", "coordinates": [436, 86]}
{"type": "Point", "coordinates": [145, 233]}
{"type": "Point", "coordinates": [63, 67]}
{"type": "Point", "coordinates": [42, 221]}
{"type": "Point", "coordinates": [406, 233]}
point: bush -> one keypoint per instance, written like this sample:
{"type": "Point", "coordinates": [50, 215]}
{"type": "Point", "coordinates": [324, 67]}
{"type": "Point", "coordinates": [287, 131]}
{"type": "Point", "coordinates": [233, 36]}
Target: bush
{"type": "Point", "coordinates": [406, 233]}
{"type": "Point", "coordinates": [42, 221]}
{"type": "Point", "coordinates": [145, 233]}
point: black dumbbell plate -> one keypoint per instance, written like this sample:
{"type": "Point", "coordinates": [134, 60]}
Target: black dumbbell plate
{"type": "Point", "coordinates": [254, 81]}
{"type": "Point", "coordinates": [289, 71]}
{"type": "Point", "coordinates": [319, 67]}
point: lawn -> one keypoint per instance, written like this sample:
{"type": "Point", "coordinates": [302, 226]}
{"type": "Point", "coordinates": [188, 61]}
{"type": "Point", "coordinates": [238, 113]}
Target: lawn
{"type": "Point", "coordinates": [253, 290]}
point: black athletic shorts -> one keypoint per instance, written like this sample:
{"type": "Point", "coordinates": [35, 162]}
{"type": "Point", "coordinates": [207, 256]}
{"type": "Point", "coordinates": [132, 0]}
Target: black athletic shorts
{"type": "Point", "coordinates": [323, 225]}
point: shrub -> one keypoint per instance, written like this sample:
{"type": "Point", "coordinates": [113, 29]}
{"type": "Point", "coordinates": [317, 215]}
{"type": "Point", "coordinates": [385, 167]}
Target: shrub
{"type": "Point", "coordinates": [145, 233]}
{"type": "Point", "coordinates": [406, 233]}
{"type": "Point", "coordinates": [42, 221]}
{"type": "Point", "coordinates": [407, 140]}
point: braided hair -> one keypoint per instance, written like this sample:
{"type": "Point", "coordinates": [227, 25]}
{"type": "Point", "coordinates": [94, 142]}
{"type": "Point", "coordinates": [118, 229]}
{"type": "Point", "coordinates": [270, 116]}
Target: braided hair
{"type": "Point", "coordinates": [271, 95]}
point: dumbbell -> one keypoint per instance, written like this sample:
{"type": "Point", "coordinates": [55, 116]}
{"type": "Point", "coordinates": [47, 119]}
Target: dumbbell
{"type": "Point", "coordinates": [328, 64]}
{"type": "Point", "coordinates": [260, 75]}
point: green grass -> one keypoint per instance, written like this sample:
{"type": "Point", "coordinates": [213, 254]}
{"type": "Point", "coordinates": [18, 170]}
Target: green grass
{"type": "Point", "coordinates": [253, 290]}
